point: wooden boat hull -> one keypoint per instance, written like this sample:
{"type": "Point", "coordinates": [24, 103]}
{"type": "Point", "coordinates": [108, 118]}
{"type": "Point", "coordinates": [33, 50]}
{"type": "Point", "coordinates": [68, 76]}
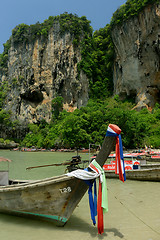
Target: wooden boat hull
{"type": "Point", "coordinates": [138, 174]}
{"type": "Point", "coordinates": [52, 199]}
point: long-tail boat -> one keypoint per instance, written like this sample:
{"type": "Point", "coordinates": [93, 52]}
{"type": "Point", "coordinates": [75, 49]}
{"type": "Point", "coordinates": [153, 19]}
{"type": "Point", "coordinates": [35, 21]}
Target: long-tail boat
{"type": "Point", "coordinates": [52, 198]}
{"type": "Point", "coordinates": [150, 172]}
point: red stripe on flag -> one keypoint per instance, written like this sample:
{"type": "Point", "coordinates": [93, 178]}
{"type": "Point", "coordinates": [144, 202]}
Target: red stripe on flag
{"type": "Point", "coordinates": [93, 167]}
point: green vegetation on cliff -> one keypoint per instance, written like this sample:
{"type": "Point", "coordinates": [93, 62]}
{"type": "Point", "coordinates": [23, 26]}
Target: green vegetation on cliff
{"type": "Point", "coordinates": [4, 55]}
{"type": "Point", "coordinates": [97, 62]}
{"type": "Point", "coordinates": [77, 26]}
{"type": "Point", "coordinates": [3, 93]}
{"type": "Point", "coordinates": [129, 9]}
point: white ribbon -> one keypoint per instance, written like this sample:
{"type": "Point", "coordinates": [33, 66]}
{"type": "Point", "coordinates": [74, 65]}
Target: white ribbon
{"type": "Point", "coordinates": [84, 175]}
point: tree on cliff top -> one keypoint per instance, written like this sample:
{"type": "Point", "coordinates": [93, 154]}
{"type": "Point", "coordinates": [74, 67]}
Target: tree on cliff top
{"type": "Point", "coordinates": [129, 9]}
{"type": "Point", "coordinates": [77, 26]}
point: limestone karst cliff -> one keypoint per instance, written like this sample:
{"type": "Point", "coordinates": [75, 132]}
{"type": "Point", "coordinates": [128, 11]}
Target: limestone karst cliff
{"type": "Point", "coordinates": [40, 70]}
{"type": "Point", "coordinates": [137, 62]}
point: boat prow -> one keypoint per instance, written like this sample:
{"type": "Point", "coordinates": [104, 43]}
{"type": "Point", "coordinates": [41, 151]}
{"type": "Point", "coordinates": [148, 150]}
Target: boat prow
{"type": "Point", "coordinates": [51, 199]}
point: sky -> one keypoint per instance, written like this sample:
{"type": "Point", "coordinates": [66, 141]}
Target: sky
{"type": "Point", "coordinates": [15, 12]}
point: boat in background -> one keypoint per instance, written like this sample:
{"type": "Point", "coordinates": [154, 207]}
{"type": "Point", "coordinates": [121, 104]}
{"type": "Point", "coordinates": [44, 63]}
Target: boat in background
{"type": "Point", "coordinates": [135, 170]}
{"type": "Point", "coordinates": [154, 158]}
{"type": "Point", "coordinates": [150, 174]}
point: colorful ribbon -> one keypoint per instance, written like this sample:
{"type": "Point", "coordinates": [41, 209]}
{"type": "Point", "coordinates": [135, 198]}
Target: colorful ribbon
{"type": "Point", "coordinates": [97, 171]}
{"type": "Point", "coordinates": [102, 205]}
{"type": "Point", "coordinates": [114, 131]}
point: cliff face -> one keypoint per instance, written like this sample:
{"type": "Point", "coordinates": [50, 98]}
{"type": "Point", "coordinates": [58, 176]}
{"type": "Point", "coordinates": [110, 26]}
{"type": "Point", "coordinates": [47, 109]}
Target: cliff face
{"type": "Point", "coordinates": [40, 71]}
{"type": "Point", "coordinates": [137, 63]}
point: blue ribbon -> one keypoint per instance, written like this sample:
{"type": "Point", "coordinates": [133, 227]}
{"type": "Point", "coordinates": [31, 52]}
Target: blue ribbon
{"type": "Point", "coordinates": [92, 200]}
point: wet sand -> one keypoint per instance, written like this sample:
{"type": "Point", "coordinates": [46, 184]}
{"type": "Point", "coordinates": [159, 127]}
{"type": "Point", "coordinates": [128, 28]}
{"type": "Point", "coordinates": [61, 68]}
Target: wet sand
{"type": "Point", "coordinates": [134, 210]}
{"type": "Point", "coordinates": [134, 214]}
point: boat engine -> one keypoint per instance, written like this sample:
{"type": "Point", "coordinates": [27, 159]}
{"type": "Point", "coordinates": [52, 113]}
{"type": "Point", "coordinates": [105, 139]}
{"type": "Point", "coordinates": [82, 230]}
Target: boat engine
{"type": "Point", "coordinates": [74, 163]}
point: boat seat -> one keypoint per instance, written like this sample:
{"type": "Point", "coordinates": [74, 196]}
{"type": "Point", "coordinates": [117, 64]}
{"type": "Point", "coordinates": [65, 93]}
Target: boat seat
{"type": "Point", "coordinates": [4, 178]}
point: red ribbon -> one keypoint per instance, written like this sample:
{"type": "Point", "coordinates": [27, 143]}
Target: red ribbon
{"type": "Point", "coordinates": [118, 161]}
{"type": "Point", "coordinates": [100, 211]}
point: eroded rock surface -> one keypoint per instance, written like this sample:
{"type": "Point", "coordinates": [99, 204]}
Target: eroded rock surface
{"type": "Point", "coordinates": [137, 63]}
{"type": "Point", "coordinates": [41, 70]}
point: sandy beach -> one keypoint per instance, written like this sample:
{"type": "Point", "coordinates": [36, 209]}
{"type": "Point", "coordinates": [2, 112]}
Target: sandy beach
{"type": "Point", "coordinates": [134, 214]}
{"type": "Point", "coordinates": [134, 207]}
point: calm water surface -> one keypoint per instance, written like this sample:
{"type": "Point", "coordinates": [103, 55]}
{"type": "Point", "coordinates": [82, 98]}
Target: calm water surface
{"type": "Point", "coordinates": [134, 207]}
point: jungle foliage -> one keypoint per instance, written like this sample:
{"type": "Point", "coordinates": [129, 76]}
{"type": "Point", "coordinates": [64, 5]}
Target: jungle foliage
{"type": "Point", "coordinates": [89, 125]}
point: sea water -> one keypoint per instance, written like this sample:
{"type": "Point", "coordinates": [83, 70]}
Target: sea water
{"type": "Point", "coordinates": [134, 206]}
